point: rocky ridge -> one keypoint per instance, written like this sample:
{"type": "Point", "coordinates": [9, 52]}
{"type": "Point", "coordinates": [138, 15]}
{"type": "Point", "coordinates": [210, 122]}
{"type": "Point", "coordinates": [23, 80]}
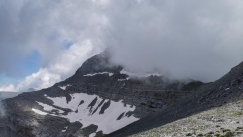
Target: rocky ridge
{"type": "Point", "coordinates": [99, 92]}
{"type": "Point", "coordinates": [210, 96]}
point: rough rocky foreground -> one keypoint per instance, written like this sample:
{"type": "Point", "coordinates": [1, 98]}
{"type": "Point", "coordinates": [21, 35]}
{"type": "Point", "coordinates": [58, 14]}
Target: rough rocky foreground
{"type": "Point", "coordinates": [223, 121]}
{"type": "Point", "coordinates": [152, 101]}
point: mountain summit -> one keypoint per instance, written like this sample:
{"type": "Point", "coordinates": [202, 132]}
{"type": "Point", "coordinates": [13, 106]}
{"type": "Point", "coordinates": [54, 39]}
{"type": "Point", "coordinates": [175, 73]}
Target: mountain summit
{"type": "Point", "coordinates": [103, 99]}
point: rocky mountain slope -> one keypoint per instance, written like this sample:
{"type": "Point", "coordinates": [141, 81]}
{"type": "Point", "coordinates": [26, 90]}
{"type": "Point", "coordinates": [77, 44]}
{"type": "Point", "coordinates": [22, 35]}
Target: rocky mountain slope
{"type": "Point", "coordinates": [103, 99]}
{"type": "Point", "coordinates": [213, 95]}
{"type": "Point", "coordinates": [223, 121]}
{"type": "Point", "coordinates": [98, 99]}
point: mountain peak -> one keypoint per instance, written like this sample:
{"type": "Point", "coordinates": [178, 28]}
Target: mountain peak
{"type": "Point", "coordinates": [98, 63]}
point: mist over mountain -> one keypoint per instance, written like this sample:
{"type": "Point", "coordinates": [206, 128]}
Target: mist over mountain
{"type": "Point", "coordinates": [5, 95]}
{"type": "Point", "coordinates": [179, 39]}
{"type": "Point", "coordinates": [115, 68]}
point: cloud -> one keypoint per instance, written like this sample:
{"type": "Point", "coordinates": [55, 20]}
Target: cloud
{"type": "Point", "coordinates": [46, 27]}
{"type": "Point", "coordinates": [180, 39]}
{"type": "Point", "coordinates": [62, 32]}
{"type": "Point", "coordinates": [9, 87]}
{"type": "Point", "coordinates": [61, 68]}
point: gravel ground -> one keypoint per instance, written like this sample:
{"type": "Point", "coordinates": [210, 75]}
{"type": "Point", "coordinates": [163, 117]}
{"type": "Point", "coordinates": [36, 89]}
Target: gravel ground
{"type": "Point", "coordinates": [223, 121]}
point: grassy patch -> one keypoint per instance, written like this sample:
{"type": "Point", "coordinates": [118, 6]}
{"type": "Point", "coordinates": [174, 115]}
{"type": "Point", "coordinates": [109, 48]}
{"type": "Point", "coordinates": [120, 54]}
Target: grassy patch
{"type": "Point", "coordinates": [238, 113]}
{"type": "Point", "coordinates": [217, 125]}
{"type": "Point", "coordinates": [200, 135]}
{"type": "Point", "coordinates": [211, 132]}
{"type": "Point", "coordinates": [226, 130]}
{"type": "Point", "coordinates": [189, 134]}
{"type": "Point", "coordinates": [229, 134]}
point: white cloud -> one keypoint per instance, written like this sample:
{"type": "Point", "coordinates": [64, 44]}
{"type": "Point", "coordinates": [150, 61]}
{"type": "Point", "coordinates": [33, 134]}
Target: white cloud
{"type": "Point", "coordinates": [59, 69]}
{"type": "Point", "coordinates": [181, 39]}
{"type": "Point", "coordinates": [9, 87]}
{"type": "Point", "coordinates": [47, 27]}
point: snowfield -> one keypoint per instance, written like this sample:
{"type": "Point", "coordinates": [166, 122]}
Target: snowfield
{"type": "Point", "coordinates": [110, 74]}
{"type": "Point", "coordinates": [39, 112]}
{"type": "Point", "coordinates": [64, 87]}
{"type": "Point", "coordinates": [108, 115]}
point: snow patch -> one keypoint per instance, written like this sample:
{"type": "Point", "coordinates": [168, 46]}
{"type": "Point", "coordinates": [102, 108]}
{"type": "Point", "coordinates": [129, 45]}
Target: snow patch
{"type": "Point", "coordinates": [227, 88]}
{"type": "Point", "coordinates": [110, 74]}
{"type": "Point", "coordinates": [65, 129]}
{"type": "Point", "coordinates": [64, 87]}
{"type": "Point", "coordinates": [39, 112]}
{"type": "Point", "coordinates": [49, 108]}
{"type": "Point", "coordinates": [73, 104]}
{"type": "Point", "coordinates": [139, 74]}
{"type": "Point", "coordinates": [127, 73]}
{"type": "Point", "coordinates": [92, 135]}
{"type": "Point", "coordinates": [88, 114]}
{"type": "Point", "coordinates": [124, 79]}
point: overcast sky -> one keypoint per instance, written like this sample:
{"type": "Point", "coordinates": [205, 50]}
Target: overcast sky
{"type": "Point", "coordinates": [43, 42]}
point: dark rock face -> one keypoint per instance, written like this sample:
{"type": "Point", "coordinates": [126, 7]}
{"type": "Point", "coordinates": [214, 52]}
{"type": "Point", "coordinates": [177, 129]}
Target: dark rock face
{"type": "Point", "coordinates": [98, 90]}
{"type": "Point", "coordinates": [203, 98]}
{"type": "Point", "coordinates": [98, 63]}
